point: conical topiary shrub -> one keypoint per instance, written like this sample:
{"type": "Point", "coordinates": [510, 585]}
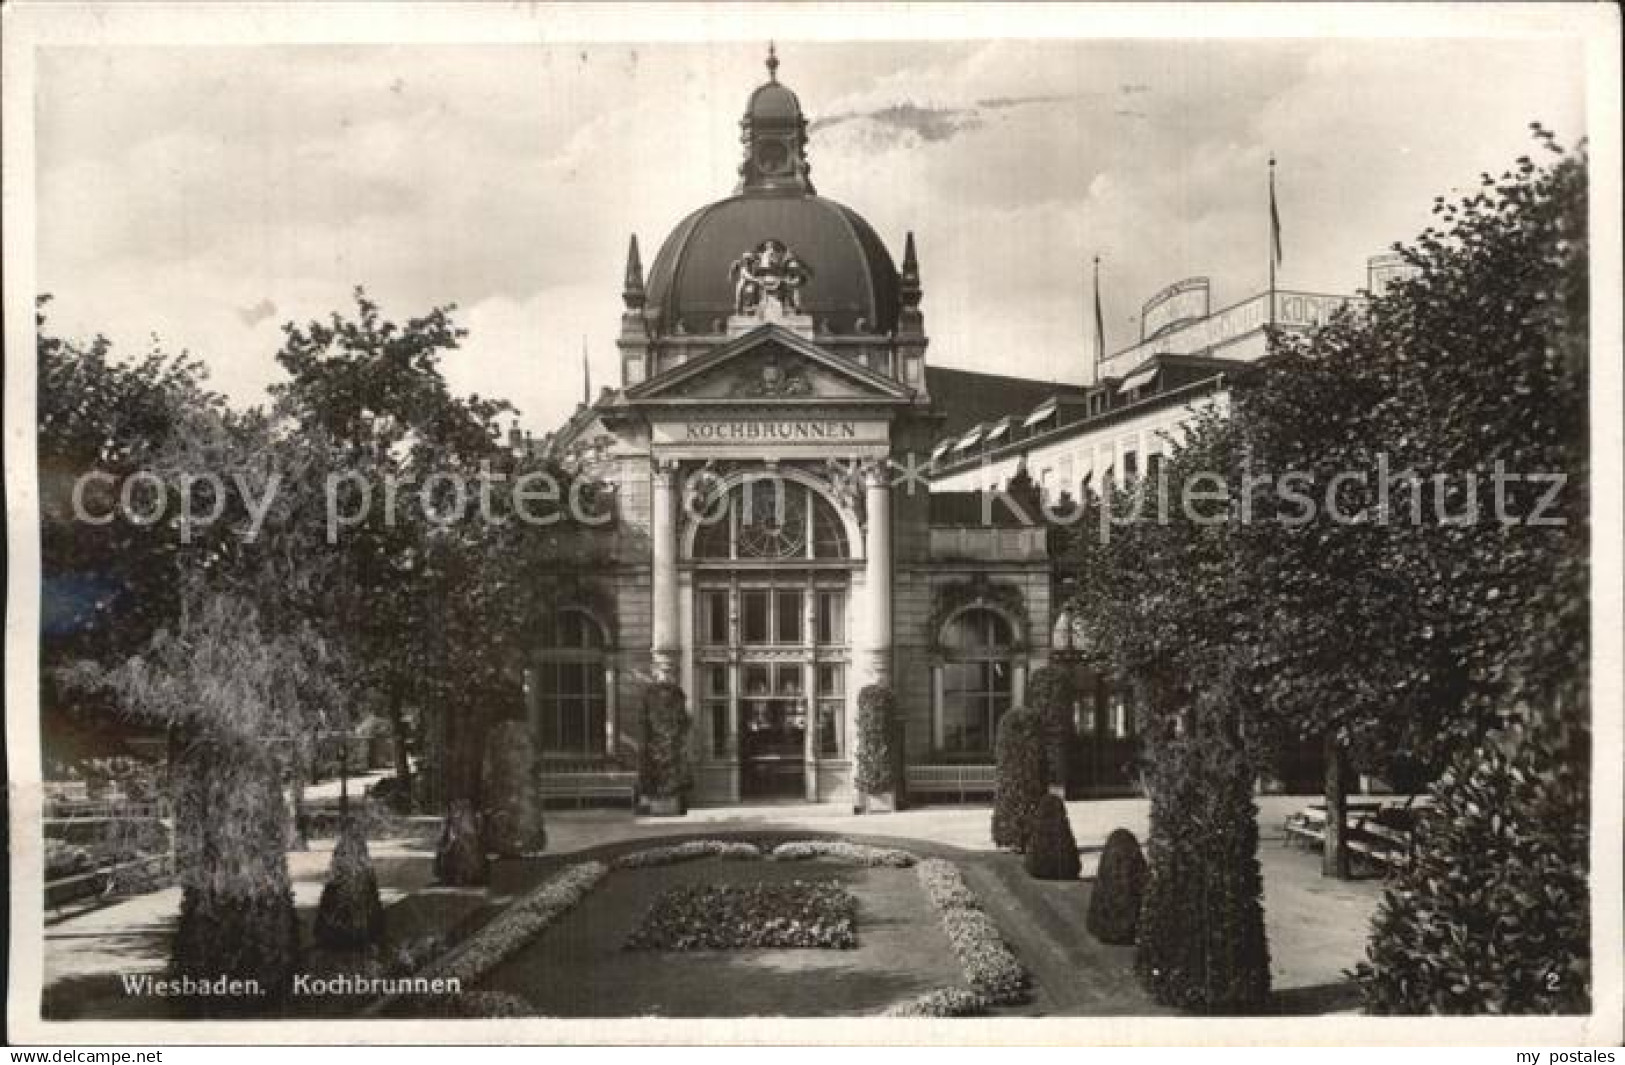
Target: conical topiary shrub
{"type": "Point", "coordinates": [1201, 943]}
{"type": "Point", "coordinates": [1119, 890]}
{"type": "Point", "coordinates": [1051, 692]}
{"type": "Point", "coordinates": [460, 857]}
{"type": "Point", "coordinates": [350, 914]}
{"type": "Point", "coordinates": [1052, 850]}
{"type": "Point", "coordinates": [512, 821]}
{"type": "Point", "coordinates": [1020, 779]}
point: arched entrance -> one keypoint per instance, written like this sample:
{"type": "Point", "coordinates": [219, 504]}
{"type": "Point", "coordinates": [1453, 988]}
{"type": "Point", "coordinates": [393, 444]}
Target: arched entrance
{"type": "Point", "coordinates": [771, 561]}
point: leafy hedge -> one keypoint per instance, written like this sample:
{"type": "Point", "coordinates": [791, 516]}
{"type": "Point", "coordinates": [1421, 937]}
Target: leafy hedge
{"type": "Point", "coordinates": [664, 771]}
{"type": "Point", "coordinates": [1119, 890]}
{"type": "Point", "coordinates": [1201, 944]}
{"type": "Point", "coordinates": [879, 742]}
{"type": "Point", "coordinates": [1020, 781]}
{"type": "Point", "coordinates": [1051, 692]}
{"type": "Point", "coordinates": [511, 820]}
{"type": "Point", "coordinates": [1490, 915]}
{"type": "Point", "coordinates": [1052, 850]}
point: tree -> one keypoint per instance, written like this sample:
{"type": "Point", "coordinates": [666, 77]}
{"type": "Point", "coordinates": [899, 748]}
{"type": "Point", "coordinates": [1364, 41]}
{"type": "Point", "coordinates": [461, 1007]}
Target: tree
{"type": "Point", "coordinates": [1362, 606]}
{"type": "Point", "coordinates": [1163, 588]}
{"type": "Point", "coordinates": [1408, 620]}
{"type": "Point", "coordinates": [371, 392]}
{"type": "Point", "coordinates": [1020, 781]}
{"type": "Point", "coordinates": [233, 693]}
{"type": "Point", "coordinates": [107, 585]}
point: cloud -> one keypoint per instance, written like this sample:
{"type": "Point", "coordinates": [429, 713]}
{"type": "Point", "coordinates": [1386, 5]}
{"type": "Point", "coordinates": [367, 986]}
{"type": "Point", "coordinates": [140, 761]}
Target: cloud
{"type": "Point", "coordinates": [905, 124]}
{"type": "Point", "coordinates": [252, 316]}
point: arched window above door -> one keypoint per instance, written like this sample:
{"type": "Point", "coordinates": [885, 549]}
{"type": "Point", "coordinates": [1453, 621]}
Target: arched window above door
{"type": "Point", "coordinates": [770, 519]}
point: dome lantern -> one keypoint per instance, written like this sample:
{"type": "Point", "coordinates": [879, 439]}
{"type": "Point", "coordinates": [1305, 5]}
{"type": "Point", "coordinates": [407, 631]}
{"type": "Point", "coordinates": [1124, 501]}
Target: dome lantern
{"type": "Point", "coordinates": [774, 133]}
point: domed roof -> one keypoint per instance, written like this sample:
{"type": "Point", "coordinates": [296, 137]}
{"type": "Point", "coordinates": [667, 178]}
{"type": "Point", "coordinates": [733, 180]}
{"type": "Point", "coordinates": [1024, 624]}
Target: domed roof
{"type": "Point", "coordinates": [773, 102]}
{"type": "Point", "coordinates": [853, 284]}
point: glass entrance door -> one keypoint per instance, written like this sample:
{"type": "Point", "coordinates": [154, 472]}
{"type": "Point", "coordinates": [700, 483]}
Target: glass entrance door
{"type": "Point", "coordinates": [772, 731]}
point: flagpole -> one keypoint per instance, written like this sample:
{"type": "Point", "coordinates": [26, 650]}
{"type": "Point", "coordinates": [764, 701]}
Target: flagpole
{"type": "Point", "coordinates": [586, 375]}
{"type": "Point", "coordinates": [1100, 328]}
{"type": "Point", "coordinates": [1275, 241]}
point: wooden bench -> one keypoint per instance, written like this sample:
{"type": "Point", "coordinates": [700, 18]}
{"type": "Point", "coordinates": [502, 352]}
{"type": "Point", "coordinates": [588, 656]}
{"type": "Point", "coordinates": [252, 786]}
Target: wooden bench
{"type": "Point", "coordinates": [581, 785]}
{"type": "Point", "coordinates": [956, 780]}
{"type": "Point", "coordinates": [1366, 836]}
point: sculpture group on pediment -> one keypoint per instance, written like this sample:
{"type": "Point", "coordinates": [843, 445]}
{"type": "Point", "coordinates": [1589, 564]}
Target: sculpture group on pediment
{"type": "Point", "coordinates": [769, 271]}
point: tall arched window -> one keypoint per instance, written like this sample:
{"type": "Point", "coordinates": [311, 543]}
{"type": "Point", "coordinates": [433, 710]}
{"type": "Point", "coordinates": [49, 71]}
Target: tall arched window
{"type": "Point", "coordinates": [568, 685]}
{"type": "Point", "coordinates": [770, 519]}
{"type": "Point", "coordinates": [978, 682]}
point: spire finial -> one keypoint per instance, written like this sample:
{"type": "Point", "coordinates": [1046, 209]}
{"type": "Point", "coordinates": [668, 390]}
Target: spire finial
{"type": "Point", "coordinates": [772, 63]}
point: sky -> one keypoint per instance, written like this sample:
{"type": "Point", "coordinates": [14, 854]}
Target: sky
{"type": "Point", "coordinates": [206, 195]}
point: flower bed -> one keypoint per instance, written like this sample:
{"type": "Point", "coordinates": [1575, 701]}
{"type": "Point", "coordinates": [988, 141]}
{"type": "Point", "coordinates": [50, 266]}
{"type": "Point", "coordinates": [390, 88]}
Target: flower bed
{"type": "Point", "coordinates": [944, 886]}
{"type": "Point", "coordinates": [690, 851]}
{"type": "Point", "coordinates": [990, 968]}
{"type": "Point", "coordinates": [521, 922]}
{"type": "Point", "coordinates": [841, 851]}
{"type": "Point", "coordinates": [795, 914]}
{"type": "Point", "coordinates": [943, 1002]}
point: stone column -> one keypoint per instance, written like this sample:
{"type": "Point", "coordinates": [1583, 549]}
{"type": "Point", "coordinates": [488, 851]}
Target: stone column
{"type": "Point", "coordinates": [665, 645]}
{"type": "Point", "coordinates": [612, 709]}
{"type": "Point", "coordinates": [877, 575]}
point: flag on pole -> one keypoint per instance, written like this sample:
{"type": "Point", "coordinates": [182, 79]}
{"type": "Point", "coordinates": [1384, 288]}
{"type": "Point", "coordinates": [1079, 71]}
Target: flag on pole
{"type": "Point", "coordinates": [1100, 322]}
{"type": "Point", "coordinates": [1275, 218]}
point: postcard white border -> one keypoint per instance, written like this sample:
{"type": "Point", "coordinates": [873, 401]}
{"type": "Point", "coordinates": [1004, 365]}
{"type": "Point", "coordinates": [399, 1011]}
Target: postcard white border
{"type": "Point", "coordinates": [28, 26]}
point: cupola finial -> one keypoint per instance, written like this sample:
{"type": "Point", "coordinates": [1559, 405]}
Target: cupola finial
{"type": "Point", "coordinates": [772, 63]}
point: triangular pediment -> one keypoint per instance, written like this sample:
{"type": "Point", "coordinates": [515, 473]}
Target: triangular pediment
{"type": "Point", "coordinates": [768, 365]}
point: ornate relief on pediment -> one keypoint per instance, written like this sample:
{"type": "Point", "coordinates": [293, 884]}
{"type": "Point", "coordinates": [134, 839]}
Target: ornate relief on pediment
{"type": "Point", "coordinates": [772, 373]}
{"type": "Point", "coordinates": [771, 378]}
